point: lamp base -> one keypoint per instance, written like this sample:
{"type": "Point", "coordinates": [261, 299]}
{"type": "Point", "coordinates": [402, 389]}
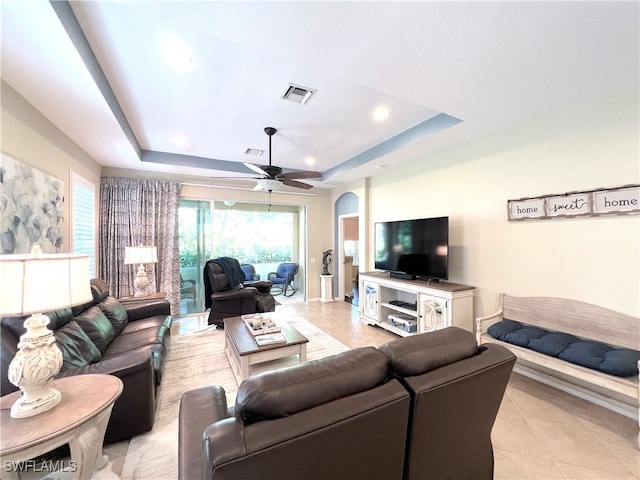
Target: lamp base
{"type": "Point", "coordinates": [141, 283]}
{"type": "Point", "coordinates": [46, 400]}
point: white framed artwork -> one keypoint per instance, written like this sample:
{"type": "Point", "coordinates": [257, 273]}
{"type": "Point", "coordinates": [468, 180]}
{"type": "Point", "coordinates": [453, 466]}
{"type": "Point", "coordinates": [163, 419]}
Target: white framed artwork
{"type": "Point", "coordinates": [31, 208]}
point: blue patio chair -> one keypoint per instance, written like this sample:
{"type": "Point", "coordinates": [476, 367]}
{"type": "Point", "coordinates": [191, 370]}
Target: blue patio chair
{"type": "Point", "coordinates": [250, 274]}
{"type": "Point", "coordinates": [282, 278]}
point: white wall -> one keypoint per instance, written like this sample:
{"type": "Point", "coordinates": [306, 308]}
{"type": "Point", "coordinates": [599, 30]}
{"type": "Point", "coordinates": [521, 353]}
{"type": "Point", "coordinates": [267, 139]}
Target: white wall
{"type": "Point", "coordinates": [591, 259]}
{"type": "Point", "coordinates": [31, 138]}
{"type": "Point", "coordinates": [596, 260]}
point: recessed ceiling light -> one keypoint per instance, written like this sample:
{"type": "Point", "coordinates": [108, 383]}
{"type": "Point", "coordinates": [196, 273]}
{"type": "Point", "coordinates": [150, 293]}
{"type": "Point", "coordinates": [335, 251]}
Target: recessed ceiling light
{"type": "Point", "coordinates": [177, 55]}
{"type": "Point", "coordinates": [181, 140]}
{"type": "Point", "coordinates": [310, 160]}
{"type": "Point", "coordinates": [380, 114]}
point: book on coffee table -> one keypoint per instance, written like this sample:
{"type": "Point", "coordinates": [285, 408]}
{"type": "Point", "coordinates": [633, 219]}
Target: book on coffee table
{"type": "Point", "coordinates": [270, 338]}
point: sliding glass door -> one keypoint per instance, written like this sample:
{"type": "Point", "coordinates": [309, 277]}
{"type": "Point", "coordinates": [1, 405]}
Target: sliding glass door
{"type": "Point", "coordinates": [252, 233]}
{"type": "Point", "coordinates": [195, 250]}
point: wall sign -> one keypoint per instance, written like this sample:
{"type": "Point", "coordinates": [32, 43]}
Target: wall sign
{"type": "Point", "coordinates": [604, 201]}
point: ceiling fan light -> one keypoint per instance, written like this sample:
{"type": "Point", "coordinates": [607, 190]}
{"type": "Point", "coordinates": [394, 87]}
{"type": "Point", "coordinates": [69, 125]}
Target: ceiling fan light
{"type": "Point", "coordinates": [268, 184]}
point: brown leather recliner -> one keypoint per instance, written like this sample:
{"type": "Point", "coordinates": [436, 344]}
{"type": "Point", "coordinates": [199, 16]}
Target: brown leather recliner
{"type": "Point", "coordinates": [456, 389]}
{"type": "Point", "coordinates": [226, 300]}
{"type": "Point", "coordinates": [335, 418]}
{"type": "Point", "coordinates": [344, 417]}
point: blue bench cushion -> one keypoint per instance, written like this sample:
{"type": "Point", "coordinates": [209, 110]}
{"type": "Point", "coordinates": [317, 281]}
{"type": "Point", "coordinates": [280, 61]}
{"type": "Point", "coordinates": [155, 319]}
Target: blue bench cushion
{"type": "Point", "coordinates": [552, 343]}
{"type": "Point", "coordinates": [500, 329]}
{"type": "Point", "coordinates": [609, 359]}
{"type": "Point", "coordinates": [622, 362]}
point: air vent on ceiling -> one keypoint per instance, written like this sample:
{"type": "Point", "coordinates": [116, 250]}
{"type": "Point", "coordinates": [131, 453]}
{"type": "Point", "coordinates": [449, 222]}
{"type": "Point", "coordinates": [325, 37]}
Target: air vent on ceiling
{"type": "Point", "coordinates": [256, 152]}
{"type": "Point", "coordinates": [297, 94]}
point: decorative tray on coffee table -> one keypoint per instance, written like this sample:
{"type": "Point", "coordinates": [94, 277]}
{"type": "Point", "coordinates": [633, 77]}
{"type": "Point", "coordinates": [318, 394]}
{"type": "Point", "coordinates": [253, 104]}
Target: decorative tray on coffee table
{"type": "Point", "coordinates": [259, 324]}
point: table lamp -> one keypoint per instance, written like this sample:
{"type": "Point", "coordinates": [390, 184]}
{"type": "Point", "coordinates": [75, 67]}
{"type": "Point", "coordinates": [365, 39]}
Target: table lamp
{"type": "Point", "coordinates": [32, 284]}
{"type": "Point", "coordinates": [141, 255]}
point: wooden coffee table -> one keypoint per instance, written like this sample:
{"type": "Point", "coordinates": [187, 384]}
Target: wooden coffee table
{"type": "Point", "coordinates": [243, 351]}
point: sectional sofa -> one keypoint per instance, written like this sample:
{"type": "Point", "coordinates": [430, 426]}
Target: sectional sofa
{"type": "Point", "coordinates": [104, 337]}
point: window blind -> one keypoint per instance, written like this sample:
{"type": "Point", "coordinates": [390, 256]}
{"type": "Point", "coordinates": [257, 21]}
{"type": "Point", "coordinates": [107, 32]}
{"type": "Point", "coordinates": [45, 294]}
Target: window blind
{"type": "Point", "coordinates": [83, 235]}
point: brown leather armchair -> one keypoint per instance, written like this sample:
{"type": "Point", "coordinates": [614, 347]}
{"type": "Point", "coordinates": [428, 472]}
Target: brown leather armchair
{"type": "Point", "coordinates": [226, 300]}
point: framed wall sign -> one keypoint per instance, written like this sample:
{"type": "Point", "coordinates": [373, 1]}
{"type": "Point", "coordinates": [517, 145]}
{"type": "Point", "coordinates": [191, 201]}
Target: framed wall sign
{"type": "Point", "coordinates": [605, 201]}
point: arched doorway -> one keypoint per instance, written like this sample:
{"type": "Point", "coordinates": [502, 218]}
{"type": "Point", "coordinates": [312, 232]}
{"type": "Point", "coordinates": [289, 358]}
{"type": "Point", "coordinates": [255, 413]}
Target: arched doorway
{"type": "Point", "coordinates": [346, 241]}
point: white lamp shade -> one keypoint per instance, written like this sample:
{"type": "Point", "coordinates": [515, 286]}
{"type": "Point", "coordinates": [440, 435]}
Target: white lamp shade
{"type": "Point", "coordinates": [135, 255]}
{"type": "Point", "coordinates": [42, 283]}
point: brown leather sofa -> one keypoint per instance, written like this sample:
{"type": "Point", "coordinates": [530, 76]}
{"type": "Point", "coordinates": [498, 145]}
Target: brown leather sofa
{"type": "Point", "coordinates": [104, 337]}
{"type": "Point", "coordinates": [415, 408]}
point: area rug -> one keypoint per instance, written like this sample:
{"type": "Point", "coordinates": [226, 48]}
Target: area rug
{"type": "Point", "coordinates": [196, 360]}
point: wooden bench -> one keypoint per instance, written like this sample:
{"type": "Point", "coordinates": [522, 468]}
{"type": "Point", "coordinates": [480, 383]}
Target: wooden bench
{"type": "Point", "coordinates": [620, 394]}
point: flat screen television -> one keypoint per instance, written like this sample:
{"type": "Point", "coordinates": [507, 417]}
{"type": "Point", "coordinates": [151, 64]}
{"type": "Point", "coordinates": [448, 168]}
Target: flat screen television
{"type": "Point", "coordinates": [416, 248]}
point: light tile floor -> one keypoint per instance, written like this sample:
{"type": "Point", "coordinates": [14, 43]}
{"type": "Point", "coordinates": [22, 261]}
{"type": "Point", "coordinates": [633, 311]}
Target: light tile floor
{"type": "Point", "coordinates": [540, 432]}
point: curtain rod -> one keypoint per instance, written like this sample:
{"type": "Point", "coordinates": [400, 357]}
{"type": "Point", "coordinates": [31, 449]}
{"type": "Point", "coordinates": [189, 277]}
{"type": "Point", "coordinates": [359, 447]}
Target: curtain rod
{"type": "Point", "coordinates": [208, 185]}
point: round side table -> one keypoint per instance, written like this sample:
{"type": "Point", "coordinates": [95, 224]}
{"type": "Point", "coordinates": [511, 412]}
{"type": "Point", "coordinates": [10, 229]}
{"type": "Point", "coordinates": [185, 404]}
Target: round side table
{"type": "Point", "coordinates": [80, 420]}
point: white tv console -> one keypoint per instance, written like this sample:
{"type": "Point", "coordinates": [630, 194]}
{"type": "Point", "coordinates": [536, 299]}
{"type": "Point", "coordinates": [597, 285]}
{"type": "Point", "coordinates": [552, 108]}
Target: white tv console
{"type": "Point", "coordinates": [427, 305]}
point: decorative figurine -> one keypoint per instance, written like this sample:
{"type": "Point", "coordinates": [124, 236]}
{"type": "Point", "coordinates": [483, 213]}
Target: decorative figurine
{"type": "Point", "coordinates": [326, 260]}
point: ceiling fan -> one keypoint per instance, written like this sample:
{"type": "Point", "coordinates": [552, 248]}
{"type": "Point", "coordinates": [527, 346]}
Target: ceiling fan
{"type": "Point", "coordinates": [272, 176]}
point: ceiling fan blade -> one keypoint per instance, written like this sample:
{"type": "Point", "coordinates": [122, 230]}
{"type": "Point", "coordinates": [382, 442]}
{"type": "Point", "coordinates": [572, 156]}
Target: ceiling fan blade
{"type": "Point", "coordinates": [294, 183]}
{"type": "Point", "coordinates": [235, 178]}
{"type": "Point", "coordinates": [255, 168]}
{"type": "Point", "coordinates": [301, 174]}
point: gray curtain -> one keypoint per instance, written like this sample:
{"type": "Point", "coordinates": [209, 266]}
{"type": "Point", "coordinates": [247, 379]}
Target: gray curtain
{"type": "Point", "coordinates": [140, 212]}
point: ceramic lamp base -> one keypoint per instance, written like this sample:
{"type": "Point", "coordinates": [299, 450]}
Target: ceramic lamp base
{"type": "Point", "coordinates": [38, 403]}
{"type": "Point", "coordinates": [141, 283]}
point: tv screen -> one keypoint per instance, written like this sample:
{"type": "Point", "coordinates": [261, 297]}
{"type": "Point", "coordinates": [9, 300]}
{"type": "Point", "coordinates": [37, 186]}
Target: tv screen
{"type": "Point", "coordinates": [417, 247]}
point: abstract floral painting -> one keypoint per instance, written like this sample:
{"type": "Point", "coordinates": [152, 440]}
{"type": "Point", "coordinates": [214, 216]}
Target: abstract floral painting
{"type": "Point", "coordinates": [31, 208]}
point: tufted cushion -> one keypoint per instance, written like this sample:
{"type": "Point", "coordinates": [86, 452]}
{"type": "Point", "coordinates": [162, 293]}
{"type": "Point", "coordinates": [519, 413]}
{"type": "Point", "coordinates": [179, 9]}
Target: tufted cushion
{"type": "Point", "coordinates": [621, 362]}
{"type": "Point", "coordinates": [77, 348]}
{"type": "Point", "coordinates": [283, 392]}
{"type": "Point", "coordinates": [552, 343]}
{"type": "Point", "coordinates": [599, 356]}
{"type": "Point", "coordinates": [500, 329]}
{"type": "Point", "coordinates": [115, 312]}
{"type": "Point", "coordinates": [97, 326]}
{"type": "Point", "coordinates": [523, 335]}
{"type": "Point", "coordinates": [587, 353]}
{"type": "Point", "coordinates": [422, 353]}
